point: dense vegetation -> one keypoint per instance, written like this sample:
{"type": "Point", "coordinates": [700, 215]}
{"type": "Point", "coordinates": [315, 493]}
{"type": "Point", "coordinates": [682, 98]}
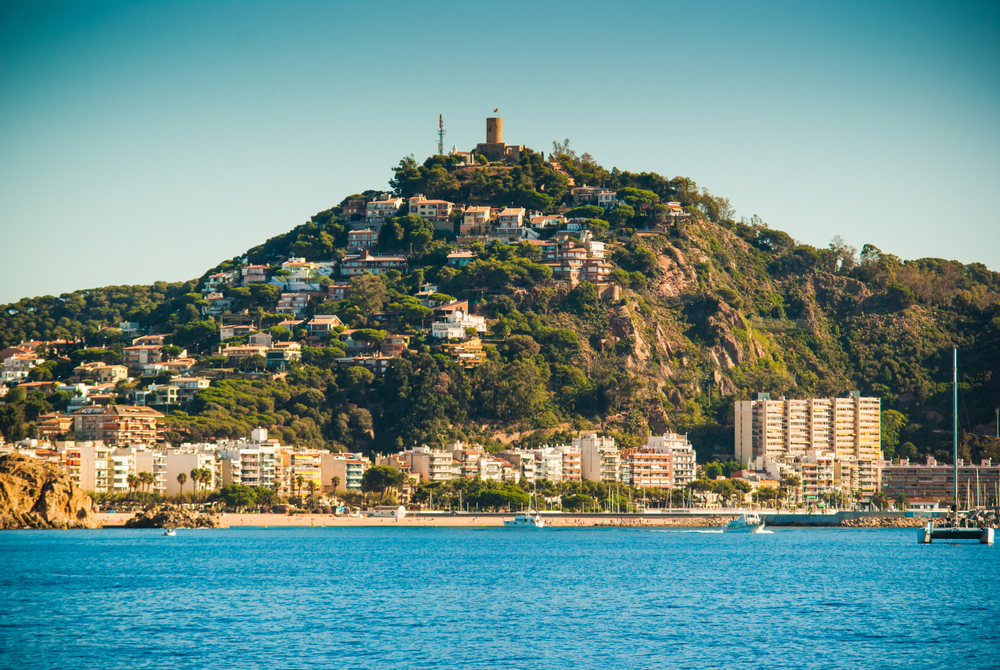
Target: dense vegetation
{"type": "Point", "coordinates": [712, 310]}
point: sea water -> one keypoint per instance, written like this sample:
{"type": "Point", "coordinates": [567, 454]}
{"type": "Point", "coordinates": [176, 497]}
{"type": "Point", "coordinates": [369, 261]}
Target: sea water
{"type": "Point", "coordinates": [399, 597]}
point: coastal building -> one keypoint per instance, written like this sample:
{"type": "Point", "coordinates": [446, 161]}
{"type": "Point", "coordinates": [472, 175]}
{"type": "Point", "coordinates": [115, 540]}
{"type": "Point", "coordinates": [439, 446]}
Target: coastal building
{"type": "Point", "coordinates": [431, 465]}
{"type": "Point", "coordinates": [254, 462]}
{"type": "Point", "coordinates": [787, 428]}
{"type": "Point", "coordinates": [88, 465]}
{"type": "Point", "coordinates": [978, 485]}
{"type": "Point", "coordinates": [185, 459]}
{"type": "Point", "coordinates": [599, 458]}
{"type": "Point", "coordinates": [348, 468]}
{"type": "Point", "coordinates": [119, 424]}
{"type": "Point", "coordinates": [666, 461]}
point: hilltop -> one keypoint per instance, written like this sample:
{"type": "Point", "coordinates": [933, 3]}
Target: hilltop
{"type": "Point", "coordinates": [693, 310]}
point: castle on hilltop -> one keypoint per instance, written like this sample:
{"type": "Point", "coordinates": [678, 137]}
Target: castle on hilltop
{"type": "Point", "coordinates": [494, 149]}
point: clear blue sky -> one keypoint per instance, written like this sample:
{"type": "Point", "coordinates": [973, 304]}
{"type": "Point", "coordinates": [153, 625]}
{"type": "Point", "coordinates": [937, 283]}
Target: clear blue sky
{"type": "Point", "coordinates": [148, 141]}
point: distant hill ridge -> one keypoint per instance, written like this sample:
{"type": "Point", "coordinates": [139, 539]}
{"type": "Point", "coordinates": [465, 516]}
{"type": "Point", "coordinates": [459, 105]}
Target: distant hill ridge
{"type": "Point", "coordinates": [710, 310]}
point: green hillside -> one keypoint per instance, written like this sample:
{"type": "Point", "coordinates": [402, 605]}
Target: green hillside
{"type": "Point", "coordinates": [711, 310]}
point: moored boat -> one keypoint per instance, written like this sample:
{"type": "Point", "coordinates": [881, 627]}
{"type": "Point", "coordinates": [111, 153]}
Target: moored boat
{"type": "Point", "coordinates": [527, 519]}
{"type": "Point", "coordinates": [169, 532]}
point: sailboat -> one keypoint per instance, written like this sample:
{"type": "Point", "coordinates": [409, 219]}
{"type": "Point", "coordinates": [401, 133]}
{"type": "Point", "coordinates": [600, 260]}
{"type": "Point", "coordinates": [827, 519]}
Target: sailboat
{"type": "Point", "coordinates": [953, 531]}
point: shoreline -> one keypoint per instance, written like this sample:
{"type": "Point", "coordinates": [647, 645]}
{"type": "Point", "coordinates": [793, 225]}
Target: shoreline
{"type": "Point", "coordinates": [251, 520]}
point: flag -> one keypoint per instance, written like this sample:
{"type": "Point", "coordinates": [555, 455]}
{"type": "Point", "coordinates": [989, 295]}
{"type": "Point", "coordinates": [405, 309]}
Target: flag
{"type": "Point", "coordinates": [496, 110]}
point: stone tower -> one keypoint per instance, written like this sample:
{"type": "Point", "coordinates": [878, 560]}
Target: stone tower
{"type": "Point", "coordinates": [494, 148]}
{"type": "Point", "coordinates": [494, 130]}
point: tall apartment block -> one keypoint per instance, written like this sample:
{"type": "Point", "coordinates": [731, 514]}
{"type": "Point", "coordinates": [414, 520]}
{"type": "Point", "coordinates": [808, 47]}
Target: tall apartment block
{"type": "Point", "coordinates": [781, 429]}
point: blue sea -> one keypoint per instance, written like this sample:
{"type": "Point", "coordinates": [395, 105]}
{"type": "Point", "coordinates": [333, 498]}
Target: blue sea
{"type": "Point", "coordinates": [495, 598]}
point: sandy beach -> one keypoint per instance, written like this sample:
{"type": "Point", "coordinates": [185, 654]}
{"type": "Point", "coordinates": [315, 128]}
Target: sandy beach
{"type": "Point", "coordinates": [111, 520]}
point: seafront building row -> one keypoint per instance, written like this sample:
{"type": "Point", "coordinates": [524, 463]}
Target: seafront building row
{"type": "Point", "coordinates": [665, 461]}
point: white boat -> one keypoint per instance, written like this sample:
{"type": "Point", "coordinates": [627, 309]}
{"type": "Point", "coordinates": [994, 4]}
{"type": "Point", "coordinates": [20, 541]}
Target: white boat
{"type": "Point", "coordinates": [747, 523]}
{"type": "Point", "coordinates": [169, 532]}
{"type": "Point", "coordinates": [527, 519]}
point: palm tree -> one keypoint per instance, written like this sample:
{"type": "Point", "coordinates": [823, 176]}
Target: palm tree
{"type": "Point", "coordinates": [195, 478]}
{"type": "Point", "coordinates": [206, 477]}
{"type": "Point", "coordinates": [312, 487]}
{"type": "Point", "coordinates": [181, 479]}
{"type": "Point", "coordinates": [336, 483]}
{"type": "Point", "coordinates": [133, 483]}
{"type": "Point", "coordinates": [298, 482]}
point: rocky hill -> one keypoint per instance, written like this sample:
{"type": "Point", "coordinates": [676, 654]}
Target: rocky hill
{"type": "Point", "coordinates": [36, 494]}
{"type": "Point", "coordinates": [709, 310]}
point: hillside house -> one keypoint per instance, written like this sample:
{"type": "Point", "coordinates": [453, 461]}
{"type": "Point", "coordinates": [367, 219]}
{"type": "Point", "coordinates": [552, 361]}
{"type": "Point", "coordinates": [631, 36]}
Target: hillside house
{"type": "Point", "coordinates": [140, 355]}
{"type": "Point", "coordinates": [254, 274]}
{"type": "Point", "coordinates": [437, 212]}
{"type": "Point", "coordinates": [453, 325]}
{"type": "Point", "coordinates": [475, 221]}
{"type": "Point", "coordinates": [218, 279]}
{"type": "Point", "coordinates": [338, 291]}
{"type": "Point", "coordinates": [322, 325]}
{"type": "Point", "coordinates": [355, 208]}
{"type": "Point", "coordinates": [218, 305]}
{"type": "Point", "coordinates": [459, 259]}
{"type": "Point", "coordinates": [377, 211]}
{"type": "Point", "coordinates": [362, 239]}
{"type": "Point", "coordinates": [363, 262]}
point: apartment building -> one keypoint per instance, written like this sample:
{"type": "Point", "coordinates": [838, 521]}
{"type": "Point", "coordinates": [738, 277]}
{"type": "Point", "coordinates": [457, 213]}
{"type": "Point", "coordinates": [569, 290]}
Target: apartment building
{"type": "Point", "coordinates": [599, 458]}
{"type": "Point", "coordinates": [259, 462]}
{"type": "Point", "coordinates": [89, 465]}
{"type": "Point", "coordinates": [186, 458]}
{"type": "Point", "coordinates": [431, 465]}
{"type": "Point", "coordinates": [306, 464]}
{"type": "Point", "coordinates": [119, 424]}
{"type": "Point", "coordinates": [666, 461]}
{"type": "Point", "coordinates": [350, 468]}
{"type": "Point", "coordinates": [786, 428]}
{"type": "Point", "coordinates": [978, 485]}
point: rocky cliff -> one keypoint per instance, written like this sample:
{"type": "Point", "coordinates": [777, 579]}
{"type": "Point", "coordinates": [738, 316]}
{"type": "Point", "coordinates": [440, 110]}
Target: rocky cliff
{"type": "Point", "coordinates": [36, 494]}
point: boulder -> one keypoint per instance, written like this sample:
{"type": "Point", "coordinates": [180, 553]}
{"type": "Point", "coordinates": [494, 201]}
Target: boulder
{"type": "Point", "coordinates": [37, 494]}
{"type": "Point", "coordinates": [171, 516]}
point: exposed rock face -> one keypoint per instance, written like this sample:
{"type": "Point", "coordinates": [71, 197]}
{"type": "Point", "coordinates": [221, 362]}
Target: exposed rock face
{"type": "Point", "coordinates": [169, 516]}
{"type": "Point", "coordinates": [36, 494]}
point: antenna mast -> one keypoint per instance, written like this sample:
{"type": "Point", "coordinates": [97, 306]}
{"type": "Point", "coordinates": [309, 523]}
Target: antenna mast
{"type": "Point", "coordinates": [441, 134]}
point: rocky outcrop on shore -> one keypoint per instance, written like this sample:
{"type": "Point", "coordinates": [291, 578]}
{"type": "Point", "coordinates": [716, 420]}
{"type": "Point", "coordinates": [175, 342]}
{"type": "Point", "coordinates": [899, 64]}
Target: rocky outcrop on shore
{"type": "Point", "coordinates": [171, 516]}
{"type": "Point", "coordinates": [36, 494]}
{"type": "Point", "coordinates": [884, 522]}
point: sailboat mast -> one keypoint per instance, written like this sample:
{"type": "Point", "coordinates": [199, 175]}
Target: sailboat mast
{"type": "Point", "coordinates": [954, 370]}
